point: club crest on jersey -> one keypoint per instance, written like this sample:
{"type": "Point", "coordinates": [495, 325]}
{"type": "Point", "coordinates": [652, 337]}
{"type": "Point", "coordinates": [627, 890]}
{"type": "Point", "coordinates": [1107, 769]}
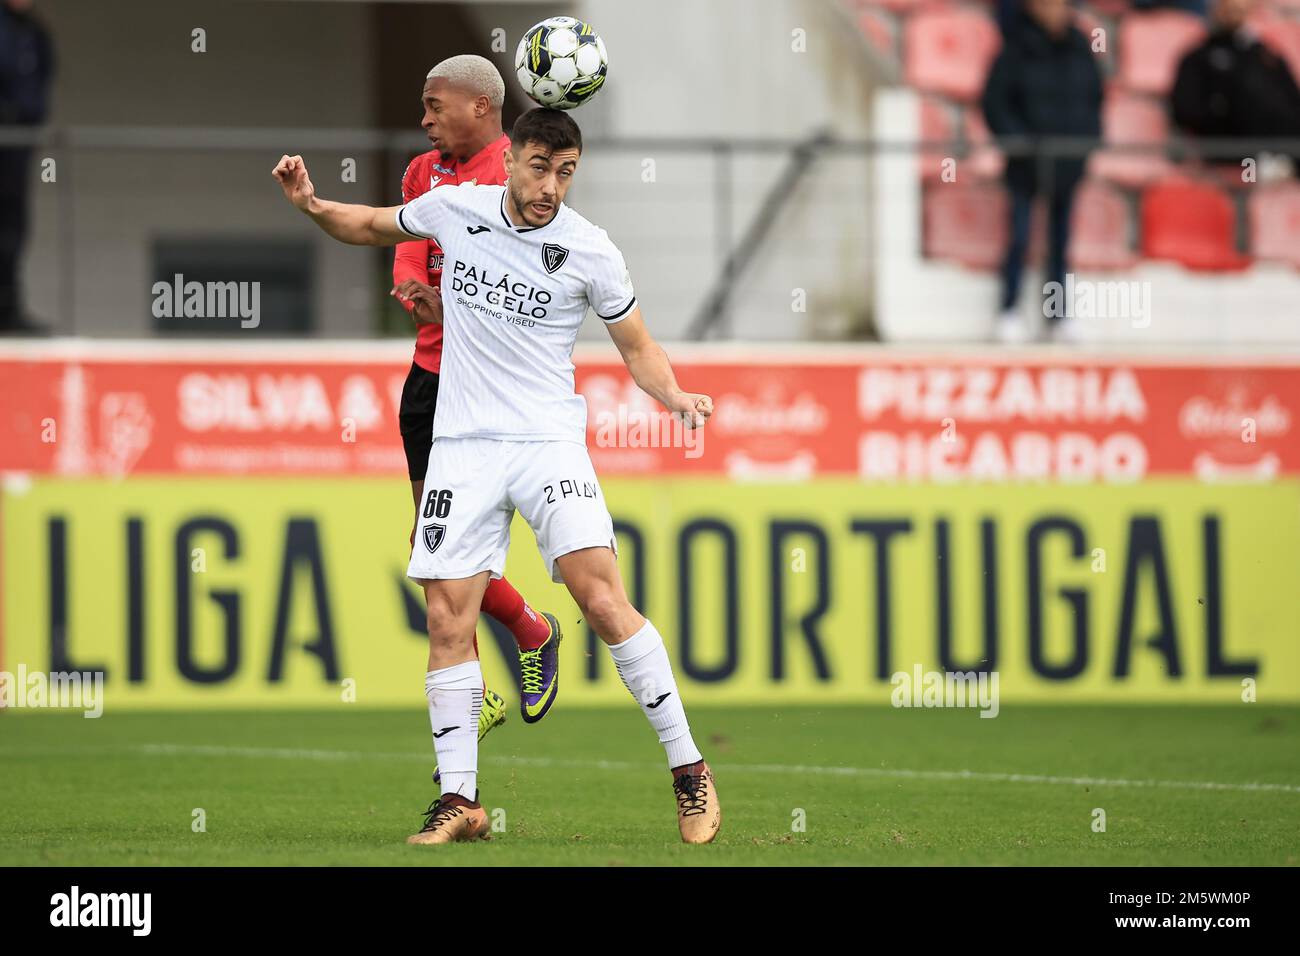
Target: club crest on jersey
{"type": "Point", "coordinates": [433, 535]}
{"type": "Point", "coordinates": [553, 256]}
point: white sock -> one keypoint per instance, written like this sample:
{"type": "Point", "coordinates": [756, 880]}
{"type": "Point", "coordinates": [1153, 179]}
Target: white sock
{"type": "Point", "coordinates": [642, 662]}
{"type": "Point", "coordinates": [455, 697]}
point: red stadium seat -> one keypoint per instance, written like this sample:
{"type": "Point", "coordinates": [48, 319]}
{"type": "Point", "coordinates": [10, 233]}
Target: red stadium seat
{"type": "Point", "coordinates": [1150, 46]}
{"type": "Point", "coordinates": [1274, 214]}
{"type": "Point", "coordinates": [1129, 118]}
{"type": "Point", "coordinates": [949, 51]}
{"type": "Point", "coordinates": [1192, 223]}
{"type": "Point", "coordinates": [965, 223]}
{"type": "Point", "coordinates": [938, 122]}
{"type": "Point", "coordinates": [1099, 235]}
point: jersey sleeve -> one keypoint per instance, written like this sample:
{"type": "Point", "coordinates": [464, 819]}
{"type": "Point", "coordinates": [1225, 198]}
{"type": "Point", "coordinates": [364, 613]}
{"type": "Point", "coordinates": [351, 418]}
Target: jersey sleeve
{"type": "Point", "coordinates": [411, 259]}
{"type": "Point", "coordinates": [425, 216]}
{"type": "Point", "coordinates": [609, 285]}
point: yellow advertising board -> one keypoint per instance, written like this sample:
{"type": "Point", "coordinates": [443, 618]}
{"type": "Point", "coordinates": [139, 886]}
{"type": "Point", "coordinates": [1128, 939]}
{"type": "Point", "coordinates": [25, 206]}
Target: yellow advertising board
{"type": "Point", "coordinates": [190, 592]}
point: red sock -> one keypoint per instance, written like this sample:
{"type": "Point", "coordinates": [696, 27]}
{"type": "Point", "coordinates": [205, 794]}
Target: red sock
{"type": "Point", "coordinates": [507, 605]}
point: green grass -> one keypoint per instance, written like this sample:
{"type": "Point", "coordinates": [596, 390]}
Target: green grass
{"type": "Point", "coordinates": [590, 787]}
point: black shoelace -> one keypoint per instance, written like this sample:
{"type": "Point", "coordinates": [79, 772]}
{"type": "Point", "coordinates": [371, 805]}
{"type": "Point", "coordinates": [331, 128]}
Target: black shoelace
{"type": "Point", "coordinates": [689, 788]}
{"type": "Point", "coordinates": [438, 814]}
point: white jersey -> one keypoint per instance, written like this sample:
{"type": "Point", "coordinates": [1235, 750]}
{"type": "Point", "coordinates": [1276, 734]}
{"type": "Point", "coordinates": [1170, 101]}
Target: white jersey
{"type": "Point", "coordinates": [513, 298]}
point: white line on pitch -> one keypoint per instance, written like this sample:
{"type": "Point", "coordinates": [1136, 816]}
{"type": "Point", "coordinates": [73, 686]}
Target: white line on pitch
{"type": "Point", "coordinates": [975, 776]}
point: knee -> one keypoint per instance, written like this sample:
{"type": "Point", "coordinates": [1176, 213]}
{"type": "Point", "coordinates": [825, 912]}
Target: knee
{"type": "Point", "coordinates": [604, 609]}
{"type": "Point", "coordinates": [447, 625]}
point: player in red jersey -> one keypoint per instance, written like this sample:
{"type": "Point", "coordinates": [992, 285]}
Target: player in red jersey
{"type": "Point", "coordinates": [462, 100]}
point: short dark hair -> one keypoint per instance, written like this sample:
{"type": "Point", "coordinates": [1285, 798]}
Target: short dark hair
{"type": "Point", "coordinates": [553, 129]}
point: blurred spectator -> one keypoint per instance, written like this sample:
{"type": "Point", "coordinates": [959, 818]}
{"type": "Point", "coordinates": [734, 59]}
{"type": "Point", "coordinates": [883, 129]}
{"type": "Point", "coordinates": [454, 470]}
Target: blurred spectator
{"type": "Point", "coordinates": [1043, 83]}
{"type": "Point", "coordinates": [1232, 85]}
{"type": "Point", "coordinates": [1197, 7]}
{"type": "Point", "coordinates": [1009, 10]}
{"type": "Point", "coordinates": [26, 65]}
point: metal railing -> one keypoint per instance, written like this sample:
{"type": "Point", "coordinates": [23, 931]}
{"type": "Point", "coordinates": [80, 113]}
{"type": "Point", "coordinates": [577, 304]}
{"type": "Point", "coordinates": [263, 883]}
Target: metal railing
{"type": "Point", "coordinates": [736, 249]}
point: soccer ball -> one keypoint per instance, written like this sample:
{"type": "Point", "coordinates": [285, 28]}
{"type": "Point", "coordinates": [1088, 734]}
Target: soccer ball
{"type": "Point", "coordinates": [561, 62]}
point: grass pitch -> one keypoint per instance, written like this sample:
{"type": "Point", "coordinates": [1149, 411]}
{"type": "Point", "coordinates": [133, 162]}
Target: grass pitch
{"type": "Point", "coordinates": [1179, 786]}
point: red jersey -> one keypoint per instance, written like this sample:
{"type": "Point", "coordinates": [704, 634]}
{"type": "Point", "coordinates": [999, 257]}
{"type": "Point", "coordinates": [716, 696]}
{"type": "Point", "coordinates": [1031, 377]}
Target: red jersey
{"type": "Point", "coordinates": [421, 259]}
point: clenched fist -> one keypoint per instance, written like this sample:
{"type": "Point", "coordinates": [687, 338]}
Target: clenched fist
{"type": "Point", "coordinates": [291, 173]}
{"type": "Point", "coordinates": [694, 409]}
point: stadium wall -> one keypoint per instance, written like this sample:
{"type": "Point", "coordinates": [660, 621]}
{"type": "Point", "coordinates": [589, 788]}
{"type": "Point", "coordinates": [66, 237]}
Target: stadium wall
{"type": "Point", "coordinates": [676, 195]}
{"type": "Point", "coordinates": [214, 525]}
{"type": "Point", "coordinates": [807, 72]}
{"type": "Point", "coordinates": [133, 66]}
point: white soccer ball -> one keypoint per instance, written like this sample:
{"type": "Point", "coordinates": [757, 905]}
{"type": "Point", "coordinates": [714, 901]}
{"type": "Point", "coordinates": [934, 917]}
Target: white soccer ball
{"type": "Point", "coordinates": [561, 62]}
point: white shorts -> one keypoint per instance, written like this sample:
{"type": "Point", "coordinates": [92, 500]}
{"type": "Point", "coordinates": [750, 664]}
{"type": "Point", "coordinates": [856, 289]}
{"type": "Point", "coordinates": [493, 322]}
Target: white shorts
{"type": "Point", "coordinates": [472, 489]}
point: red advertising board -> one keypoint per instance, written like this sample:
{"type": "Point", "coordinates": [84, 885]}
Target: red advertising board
{"type": "Point", "coordinates": [879, 414]}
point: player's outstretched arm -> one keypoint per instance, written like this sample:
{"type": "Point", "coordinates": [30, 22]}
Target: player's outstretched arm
{"type": "Point", "coordinates": [353, 224]}
{"type": "Point", "coordinates": [648, 363]}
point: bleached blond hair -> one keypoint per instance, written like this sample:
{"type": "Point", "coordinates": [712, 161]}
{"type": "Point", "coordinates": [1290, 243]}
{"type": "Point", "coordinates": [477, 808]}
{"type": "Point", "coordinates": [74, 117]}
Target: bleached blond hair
{"type": "Point", "coordinates": [474, 74]}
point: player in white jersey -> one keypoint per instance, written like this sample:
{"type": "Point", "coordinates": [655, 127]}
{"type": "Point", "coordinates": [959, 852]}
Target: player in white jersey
{"type": "Point", "coordinates": [520, 272]}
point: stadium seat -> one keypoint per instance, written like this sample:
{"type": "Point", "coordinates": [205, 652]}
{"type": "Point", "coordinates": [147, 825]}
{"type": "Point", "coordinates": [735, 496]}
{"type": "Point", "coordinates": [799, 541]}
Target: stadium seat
{"type": "Point", "coordinates": [1150, 46]}
{"type": "Point", "coordinates": [1192, 223]}
{"type": "Point", "coordinates": [1274, 215]}
{"type": "Point", "coordinates": [965, 223]}
{"type": "Point", "coordinates": [938, 122]}
{"type": "Point", "coordinates": [1099, 236]}
{"type": "Point", "coordinates": [949, 51]}
{"type": "Point", "coordinates": [1129, 118]}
